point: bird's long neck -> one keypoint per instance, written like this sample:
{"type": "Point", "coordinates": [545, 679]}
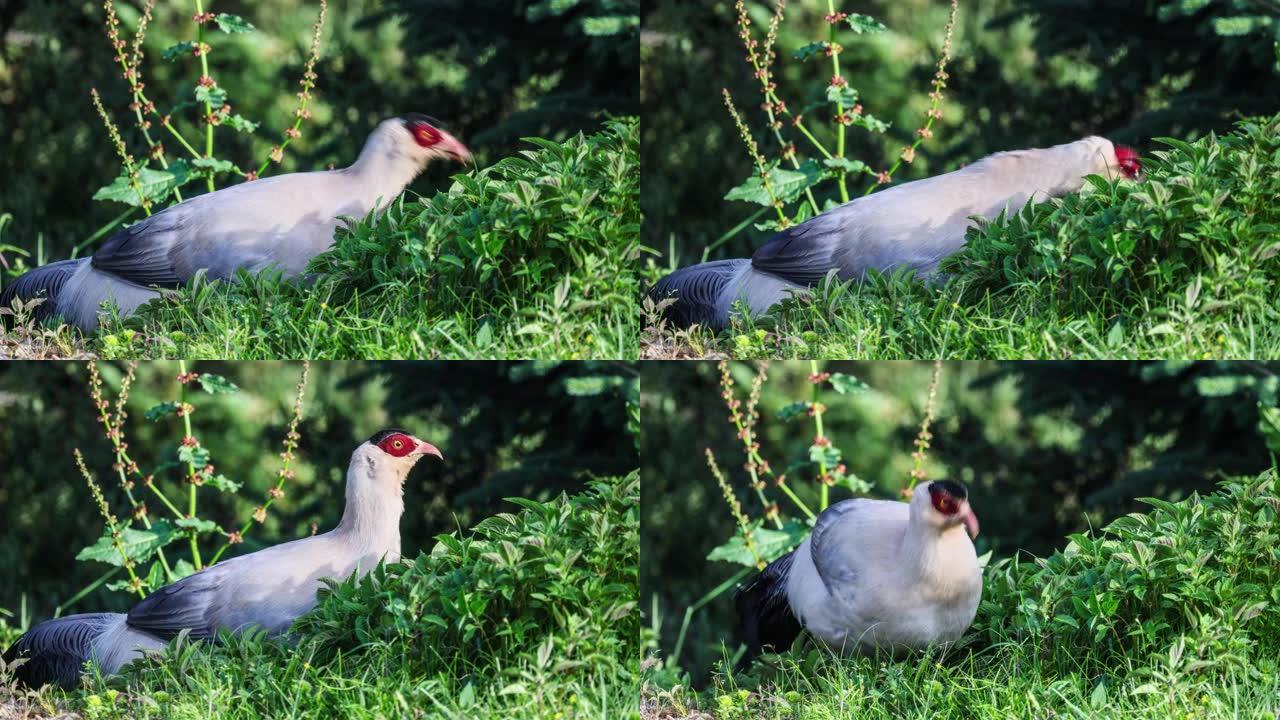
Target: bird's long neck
{"type": "Point", "coordinates": [383, 169]}
{"type": "Point", "coordinates": [1047, 172]}
{"type": "Point", "coordinates": [936, 559]}
{"type": "Point", "coordinates": [371, 519]}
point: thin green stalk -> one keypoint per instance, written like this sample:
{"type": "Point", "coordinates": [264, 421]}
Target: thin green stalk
{"type": "Point", "coordinates": [57, 611]}
{"type": "Point", "coordinates": [835, 69]}
{"type": "Point", "coordinates": [111, 225]}
{"type": "Point", "coordinates": [208, 153]}
{"type": "Point", "coordinates": [817, 421]}
{"type": "Point", "coordinates": [716, 592]}
{"type": "Point", "coordinates": [191, 466]}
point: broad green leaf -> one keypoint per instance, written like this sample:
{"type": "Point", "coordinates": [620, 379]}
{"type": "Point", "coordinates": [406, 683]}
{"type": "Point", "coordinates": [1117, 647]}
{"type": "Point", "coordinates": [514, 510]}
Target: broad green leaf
{"type": "Point", "coordinates": [154, 184]}
{"type": "Point", "coordinates": [222, 483]}
{"type": "Point", "coordinates": [794, 410]}
{"type": "Point", "coordinates": [861, 24]}
{"type": "Point", "coordinates": [155, 412]}
{"type": "Point", "coordinates": [770, 544]}
{"type": "Point", "coordinates": [176, 51]}
{"type": "Point", "coordinates": [232, 24]}
{"type": "Point", "coordinates": [808, 51]}
{"type": "Point", "coordinates": [196, 524]}
{"type": "Point", "coordinates": [239, 124]}
{"type": "Point", "coordinates": [182, 568]}
{"type": "Point", "coordinates": [846, 96]}
{"type": "Point", "coordinates": [787, 184]}
{"type": "Point", "coordinates": [845, 165]}
{"type": "Point", "coordinates": [216, 384]}
{"type": "Point", "coordinates": [197, 456]}
{"type": "Point", "coordinates": [829, 454]}
{"type": "Point", "coordinates": [215, 96]}
{"type": "Point", "coordinates": [138, 544]}
{"type": "Point", "coordinates": [846, 384]}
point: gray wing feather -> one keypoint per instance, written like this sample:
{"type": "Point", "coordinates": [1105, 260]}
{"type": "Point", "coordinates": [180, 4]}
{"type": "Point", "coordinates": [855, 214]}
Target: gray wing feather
{"type": "Point", "coordinates": [186, 604]}
{"type": "Point", "coordinates": [803, 254]}
{"type": "Point", "coordinates": [826, 557]}
{"type": "Point", "coordinates": [45, 282]}
{"type": "Point", "coordinates": [141, 252]}
{"type": "Point", "coordinates": [56, 650]}
{"type": "Point", "coordinates": [697, 290]}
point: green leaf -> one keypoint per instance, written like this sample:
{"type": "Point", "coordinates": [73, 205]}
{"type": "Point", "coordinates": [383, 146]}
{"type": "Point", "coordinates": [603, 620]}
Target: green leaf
{"type": "Point", "coordinates": [216, 384]}
{"type": "Point", "coordinates": [847, 384]}
{"type": "Point", "coordinates": [861, 24]}
{"type": "Point", "coordinates": [197, 456]}
{"type": "Point", "coordinates": [215, 96]}
{"type": "Point", "coordinates": [154, 184]}
{"type": "Point", "coordinates": [845, 165]}
{"type": "Point", "coordinates": [155, 412]}
{"type": "Point", "coordinates": [787, 184]}
{"type": "Point", "coordinates": [139, 545]}
{"type": "Point", "coordinates": [845, 96]}
{"type": "Point", "coordinates": [610, 25]}
{"type": "Point", "coordinates": [794, 410]}
{"type": "Point", "coordinates": [197, 525]}
{"type": "Point", "coordinates": [829, 454]}
{"type": "Point", "coordinates": [182, 568]}
{"type": "Point", "coordinates": [808, 51]}
{"type": "Point", "coordinates": [1269, 427]}
{"type": "Point", "coordinates": [239, 123]}
{"type": "Point", "coordinates": [212, 166]}
{"type": "Point", "coordinates": [222, 483]}
{"type": "Point", "coordinates": [232, 24]}
{"type": "Point", "coordinates": [770, 544]}
{"type": "Point", "coordinates": [176, 51]}
{"type": "Point", "coordinates": [1240, 25]}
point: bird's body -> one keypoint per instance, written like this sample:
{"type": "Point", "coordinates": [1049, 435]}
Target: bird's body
{"type": "Point", "coordinates": [913, 226]}
{"type": "Point", "coordinates": [873, 575]}
{"type": "Point", "coordinates": [280, 222]}
{"type": "Point", "coordinates": [268, 589]}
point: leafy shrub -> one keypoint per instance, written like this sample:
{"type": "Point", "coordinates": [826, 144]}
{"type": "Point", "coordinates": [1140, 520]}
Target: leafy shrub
{"type": "Point", "coordinates": [1188, 587]}
{"type": "Point", "coordinates": [533, 256]}
{"type": "Point", "coordinates": [1203, 223]}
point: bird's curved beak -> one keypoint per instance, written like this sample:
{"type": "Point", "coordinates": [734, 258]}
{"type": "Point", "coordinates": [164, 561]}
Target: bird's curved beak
{"type": "Point", "coordinates": [970, 522]}
{"type": "Point", "coordinates": [454, 148]}
{"type": "Point", "coordinates": [426, 448]}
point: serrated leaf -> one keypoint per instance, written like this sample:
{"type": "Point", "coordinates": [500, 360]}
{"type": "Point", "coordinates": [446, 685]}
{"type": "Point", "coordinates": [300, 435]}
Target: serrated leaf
{"type": "Point", "coordinates": [222, 483]}
{"type": "Point", "coordinates": [176, 51]}
{"type": "Point", "coordinates": [770, 544]}
{"type": "Point", "coordinates": [826, 454]}
{"type": "Point", "coordinates": [232, 24]}
{"type": "Point", "coordinates": [813, 48]}
{"type": "Point", "coordinates": [846, 384]}
{"type": "Point", "coordinates": [865, 24]}
{"type": "Point", "coordinates": [196, 456]}
{"type": "Point", "coordinates": [155, 412]}
{"type": "Point", "coordinates": [216, 384]}
{"type": "Point", "coordinates": [845, 165]}
{"type": "Point", "coordinates": [787, 184]}
{"type": "Point", "coordinates": [239, 123]}
{"type": "Point", "coordinates": [215, 96]}
{"type": "Point", "coordinates": [794, 410]}
{"type": "Point", "coordinates": [154, 184]}
{"type": "Point", "coordinates": [196, 524]}
{"type": "Point", "coordinates": [845, 96]}
{"type": "Point", "coordinates": [139, 545]}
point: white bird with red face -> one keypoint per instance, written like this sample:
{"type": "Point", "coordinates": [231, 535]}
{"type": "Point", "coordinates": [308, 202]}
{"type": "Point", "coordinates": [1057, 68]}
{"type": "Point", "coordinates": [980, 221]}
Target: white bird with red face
{"type": "Point", "coordinates": [277, 222]}
{"type": "Point", "coordinates": [914, 225]}
{"type": "Point", "coordinates": [874, 574]}
{"type": "Point", "coordinates": [268, 589]}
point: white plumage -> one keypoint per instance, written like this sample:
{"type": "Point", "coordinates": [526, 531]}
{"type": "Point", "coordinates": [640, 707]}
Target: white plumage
{"type": "Point", "coordinates": [914, 225]}
{"type": "Point", "coordinates": [267, 589]}
{"type": "Point", "coordinates": [874, 574]}
{"type": "Point", "coordinates": [278, 222]}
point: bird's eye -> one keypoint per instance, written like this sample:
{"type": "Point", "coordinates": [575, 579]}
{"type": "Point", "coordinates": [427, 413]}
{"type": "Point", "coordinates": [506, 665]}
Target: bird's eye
{"type": "Point", "coordinates": [426, 136]}
{"type": "Point", "coordinates": [397, 444]}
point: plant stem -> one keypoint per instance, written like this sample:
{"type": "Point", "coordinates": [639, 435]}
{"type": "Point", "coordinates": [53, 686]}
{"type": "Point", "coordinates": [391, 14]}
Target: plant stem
{"type": "Point", "coordinates": [111, 224]}
{"type": "Point", "coordinates": [208, 150]}
{"type": "Point", "coordinates": [191, 466]}
{"type": "Point", "coordinates": [57, 611]}
{"type": "Point", "coordinates": [716, 592]}
{"type": "Point", "coordinates": [817, 421]}
{"type": "Point", "coordinates": [835, 69]}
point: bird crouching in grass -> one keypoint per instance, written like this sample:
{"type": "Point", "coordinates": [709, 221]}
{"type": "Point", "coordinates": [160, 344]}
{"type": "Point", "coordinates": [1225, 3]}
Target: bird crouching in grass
{"type": "Point", "coordinates": [914, 225]}
{"type": "Point", "coordinates": [268, 589]}
{"type": "Point", "coordinates": [277, 222]}
{"type": "Point", "coordinates": [873, 575]}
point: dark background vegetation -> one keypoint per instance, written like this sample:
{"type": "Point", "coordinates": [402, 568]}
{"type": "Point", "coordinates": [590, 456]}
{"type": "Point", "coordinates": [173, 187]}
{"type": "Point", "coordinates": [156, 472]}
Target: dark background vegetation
{"type": "Point", "coordinates": [1045, 448]}
{"type": "Point", "coordinates": [1025, 73]}
{"type": "Point", "coordinates": [492, 71]}
{"type": "Point", "coordinates": [505, 428]}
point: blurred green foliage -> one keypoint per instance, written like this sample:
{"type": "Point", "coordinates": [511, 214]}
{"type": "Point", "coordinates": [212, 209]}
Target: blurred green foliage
{"type": "Point", "coordinates": [1025, 73]}
{"type": "Point", "coordinates": [473, 67]}
{"type": "Point", "coordinates": [1045, 448]}
{"type": "Point", "coordinates": [506, 429]}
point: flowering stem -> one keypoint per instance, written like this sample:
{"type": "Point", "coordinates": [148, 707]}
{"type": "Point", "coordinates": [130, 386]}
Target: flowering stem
{"type": "Point", "coordinates": [208, 153]}
{"type": "Point", "coordinates": [191, 466]}
{"type": "Point", "coordinates": [840, 177]}
{"type": "Point", "coordinates": [817, 422]}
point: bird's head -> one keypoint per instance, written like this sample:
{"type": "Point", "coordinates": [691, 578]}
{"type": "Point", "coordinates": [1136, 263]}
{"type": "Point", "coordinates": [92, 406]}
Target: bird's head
{"type": "Point", "coordinates": [1111, 160]}
{"type": "Point", "coordinates": [425, 139]}
{"type": "Point", "coordinates": [393, 452]}
{"type": "Point", "coordinates": [945, 504]}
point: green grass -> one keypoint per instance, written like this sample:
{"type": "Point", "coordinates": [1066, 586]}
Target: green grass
{"type": "Point", "coordinates": [1182, 265]}
{"type": "Point", "coordinates": [532, 614]}
{"type": "Point", "coordinates": [1173, 613]}
{"type": "Point", "coordinates": [533, 257]}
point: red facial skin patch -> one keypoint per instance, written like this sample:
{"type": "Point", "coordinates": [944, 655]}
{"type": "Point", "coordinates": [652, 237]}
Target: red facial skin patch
{"type": "Point", "coordinates": [944, 503]}
{"type": "Point", "coordinates": [425, 135]}
{"type": "Point", "coordinates": [1127, 159]}
{"type": "Point", "coordinates": [397, 445]}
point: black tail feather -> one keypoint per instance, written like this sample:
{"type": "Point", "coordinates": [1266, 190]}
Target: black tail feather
{"type": "Point", "coordinates": [45, 282]}
{"type": "Point", "coordinates": [56, 650]}
{"type": "Point", "coordinates": [697, 291]}
{"type": "Point", "coordinates": [768, 625]}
